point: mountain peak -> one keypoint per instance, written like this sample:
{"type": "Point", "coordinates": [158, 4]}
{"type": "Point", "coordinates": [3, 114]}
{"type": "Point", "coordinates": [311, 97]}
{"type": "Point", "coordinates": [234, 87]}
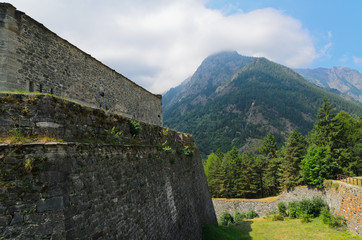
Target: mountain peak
{"type": "Point", "coordinates": [232, 98]}
{"type": "Point", "coordinates": [347, 81]}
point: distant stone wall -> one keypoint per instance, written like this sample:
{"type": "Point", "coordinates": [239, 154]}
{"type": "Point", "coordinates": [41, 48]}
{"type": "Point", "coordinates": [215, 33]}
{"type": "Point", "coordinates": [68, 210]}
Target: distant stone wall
{"type": "Point", "coordinates": [343, 199]}
{"type": "Point", "coordinates": [32, 58]}
{"type": "Point", "coordinates": [261, 206]}
{"type": "Point", "coordinates": [149, 185]}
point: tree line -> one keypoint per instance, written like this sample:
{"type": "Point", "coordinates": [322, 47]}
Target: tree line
{"type": "Point", "coordinates": [332, 147]}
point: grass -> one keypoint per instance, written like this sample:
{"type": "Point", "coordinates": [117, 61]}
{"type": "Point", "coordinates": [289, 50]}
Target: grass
{"type": "Point", "coordinates": [265, 228]}
{"type": "Point", "coordinates": [20, 139]}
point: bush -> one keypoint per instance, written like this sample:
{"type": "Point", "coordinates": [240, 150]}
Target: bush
{"type": "Point", "coordinates": [318, 205]}
{"type": "Point", "coordinates": [278, 217]}
{"type": "Point", "coordinates": [226, 219]}
{"type": "Point", "coordinates": [326, 215]}
{"type": "Point", "coordinates": [305, 209]}
{"type": "Point", "coordinates": [292, 209]}
{"type": "Point", "coordinates": [333, 221]}
{"type": "Point", "coordinates": [238, 217]}
{"type": "Point", "coordinates": [282, 209]}
{"type": "Point", "coordinates": [251, 215]}
{"type": "Point", "coordinates": [305, 217]}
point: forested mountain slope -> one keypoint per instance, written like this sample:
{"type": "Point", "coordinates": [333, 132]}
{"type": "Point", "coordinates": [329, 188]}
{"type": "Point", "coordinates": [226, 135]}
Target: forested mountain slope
{"type": "Point", "coordinates": [232, 100]}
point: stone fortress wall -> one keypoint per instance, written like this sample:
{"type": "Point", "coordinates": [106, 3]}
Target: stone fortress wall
{"type": "Point", "coordinates": [103, 181]}
{"type": "Point", "coordinates": [343, 199]}
{"type": "Point", "coordinates": [32, 58]}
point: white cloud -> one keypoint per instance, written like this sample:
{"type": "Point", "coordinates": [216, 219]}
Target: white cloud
{"type": "Point", "coordinates": [160, 43]}
{"type": "Point", "coordinates": [357, 61]}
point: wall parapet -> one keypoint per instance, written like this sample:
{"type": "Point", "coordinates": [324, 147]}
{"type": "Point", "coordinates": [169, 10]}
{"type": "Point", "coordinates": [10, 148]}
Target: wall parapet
{"type": "Point", "coordinates": [39, 115]}
{"type": "Point", "coordinates": [33, 58]}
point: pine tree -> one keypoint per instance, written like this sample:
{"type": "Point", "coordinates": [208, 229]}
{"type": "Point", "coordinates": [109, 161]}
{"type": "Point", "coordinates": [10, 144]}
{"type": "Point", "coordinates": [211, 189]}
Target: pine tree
{"type": "Point", "coordinates": [268, 166]}
{"type": "Point", "coordinates": [269, 146]}
{"type": "Point", "coordinates": [290, 175]}
{"type": "Point", "coordinates": [320, 134]}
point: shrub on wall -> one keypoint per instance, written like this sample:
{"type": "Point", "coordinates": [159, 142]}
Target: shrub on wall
{"type": "Point", "coordinates": [238, 217]}
{"type": "Point", "coordinates": [333, 221]}
{"type": "Point", "coordinates": [292, 209]}
{"type": "Point", "coordinates": [226, 219]}
{"type": "Point", "coordinates": [134, 127]}
{"type": "Point", "coordinates": [282, 209]}
{"type": "Point", "coordinates": [251, 215]}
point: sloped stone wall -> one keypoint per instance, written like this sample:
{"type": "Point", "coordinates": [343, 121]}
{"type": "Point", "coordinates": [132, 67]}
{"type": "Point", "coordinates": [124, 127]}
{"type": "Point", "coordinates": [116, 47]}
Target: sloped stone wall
{"type": "Point", "coordinates": [102, 185]}
{"type": "Point", "coordinates": [32, 58]}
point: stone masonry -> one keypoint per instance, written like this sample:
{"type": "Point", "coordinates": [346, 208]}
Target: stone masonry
{"type": "Point", "coordinates": [343, 199]}
{"type": "Point", "coordinates": [99, 178]}
{"type": "Point", "coordinates": [32, 58]}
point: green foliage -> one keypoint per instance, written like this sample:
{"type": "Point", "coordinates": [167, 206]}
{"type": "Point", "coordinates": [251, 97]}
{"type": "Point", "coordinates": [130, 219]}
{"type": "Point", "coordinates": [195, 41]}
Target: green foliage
{"type": "Point", "coordinates": [222, 120]}
{"type": "Point", "coordinates": [290, 165]}
{"type": "Point", "coordinates": [318, 205]}
{"type": "Point", "coordinates": [188, 151]}
{"type": "Point", "coordinates": [333, 221]}
{"type": "Point", "coordinates": [282, 209]}
{"type": "Point", "coordinates": [239, 217]}
{"type": "Point", "coordinates": [164, 147]}
{"type": "Point", "coordinates": [226, 219]}
{"type": "Point", "coordinates": [16, 134]}
{"type": "Point", "coordinates": [112, 136]}
{"type": "Point", "coordinates": [251, 215]}
{"type": "Point", "coordinates": [306, 209]}
{"type": "Point", "coordinates": [318, 165]}
{"type": "Point", "coordinates": [28, 164]}
{"type": "Point", "coordinates": [164, 131]}
{"type": "Point", "coordinates": [292, 209]}
{"type": "Point", "coordinates": [269, 146]}
{"type": "Point", "coordinates": [134, 127]}
{"type": "Point", "coordinates": [278, 217]}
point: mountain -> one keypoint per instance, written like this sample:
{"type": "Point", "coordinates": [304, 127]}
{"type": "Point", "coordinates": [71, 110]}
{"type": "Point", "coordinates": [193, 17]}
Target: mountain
{"type": "Point", "coordinates": [343, 79]}
{"type": "Point", "coordinates": [233, 100]}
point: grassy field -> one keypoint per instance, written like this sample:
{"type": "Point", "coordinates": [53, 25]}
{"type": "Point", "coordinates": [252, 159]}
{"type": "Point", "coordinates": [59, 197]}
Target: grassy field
{"type": "Point", "coordinates": [260, 228]}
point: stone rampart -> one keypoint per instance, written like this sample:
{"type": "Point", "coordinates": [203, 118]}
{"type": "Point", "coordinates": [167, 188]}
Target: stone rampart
{"type": "Point", "coordinates": [32, 58]}
{"type": "Point", "coordinates": [343, 199]}
{"type": "Point", "coordinates": [46, 115]}
{"type": "Point", "coordinates": [122, 184]}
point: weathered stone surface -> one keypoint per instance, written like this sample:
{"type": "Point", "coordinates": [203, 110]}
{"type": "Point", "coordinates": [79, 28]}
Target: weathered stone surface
{"type": "Point", "coordinates": [55, 203]}
{"type": "Point", "coordinates": [32, 58]}
{"type": "Point", "coordinates": [125, 187]}
{"type": "Point", "coordinates": [119, 192]}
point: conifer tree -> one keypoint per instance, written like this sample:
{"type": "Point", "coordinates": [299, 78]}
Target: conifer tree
{"type": "Point", "coordinates": [290, 175]}
{"type": "Point", "coordinates": [268, 166]}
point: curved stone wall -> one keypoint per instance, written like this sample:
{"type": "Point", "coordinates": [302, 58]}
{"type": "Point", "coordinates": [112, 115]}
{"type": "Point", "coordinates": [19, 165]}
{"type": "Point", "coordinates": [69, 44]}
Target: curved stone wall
{"type": "Point", "coordinates": [342, 198]}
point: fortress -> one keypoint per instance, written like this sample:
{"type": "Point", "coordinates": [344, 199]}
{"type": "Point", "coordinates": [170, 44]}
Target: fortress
{"type": "Point", "coordinates": [102, 175]}
{"type": "Point", "coordinates": [32, 58]}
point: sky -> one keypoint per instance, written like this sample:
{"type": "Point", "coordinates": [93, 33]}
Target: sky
{"type": "Point", "coordinates": [159, 43]}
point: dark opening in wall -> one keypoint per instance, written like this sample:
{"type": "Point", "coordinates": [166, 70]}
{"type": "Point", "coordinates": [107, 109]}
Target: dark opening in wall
{"type": "Point", "coordinates": [51, 91]}
{"type": "Point", "coordinates": [31, 86]}
{"type": "Point", "coordinates": [40, 88]}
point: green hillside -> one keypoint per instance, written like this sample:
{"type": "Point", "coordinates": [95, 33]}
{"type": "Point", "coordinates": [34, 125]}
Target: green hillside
{"type": "Point", "coordinates": [245, 102]}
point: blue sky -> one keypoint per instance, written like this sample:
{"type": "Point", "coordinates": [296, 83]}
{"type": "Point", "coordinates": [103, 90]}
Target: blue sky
{"type": "Point", "coordinates": [159, 43]}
